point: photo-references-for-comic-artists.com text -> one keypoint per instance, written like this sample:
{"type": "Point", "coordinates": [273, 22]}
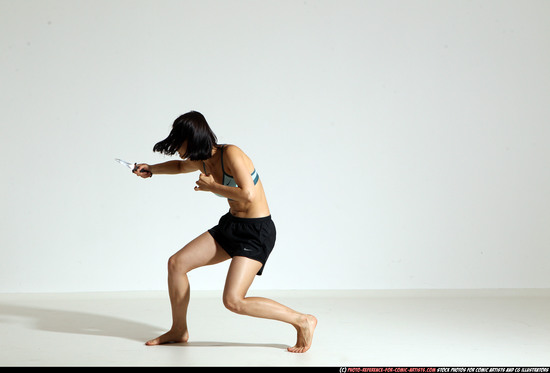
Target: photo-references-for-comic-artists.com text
{"type": "Point", "coordinates": [445, 370]}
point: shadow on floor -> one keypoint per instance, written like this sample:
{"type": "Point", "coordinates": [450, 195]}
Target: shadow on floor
{"type": "Point", "coordinates": [228, 344]}
{"type": "Point", "coordinates": [75, 322]}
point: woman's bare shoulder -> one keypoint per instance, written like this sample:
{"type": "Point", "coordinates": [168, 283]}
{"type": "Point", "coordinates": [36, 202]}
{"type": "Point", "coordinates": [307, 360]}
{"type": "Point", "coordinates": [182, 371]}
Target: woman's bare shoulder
{"type": "Point", "coordinates": [190, 166]}
{"type": "Point", "coordinates": [236, 155]}
{"type": "Point", "coordinates": [233, 150]}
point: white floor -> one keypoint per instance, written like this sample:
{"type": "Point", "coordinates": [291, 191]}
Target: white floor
{"type": "Point", "coordinates": [456, 328]}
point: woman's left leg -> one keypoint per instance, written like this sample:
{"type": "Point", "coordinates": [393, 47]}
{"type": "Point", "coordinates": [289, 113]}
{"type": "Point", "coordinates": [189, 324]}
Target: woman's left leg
{"type": "Point", "coordinates": [242, 272]}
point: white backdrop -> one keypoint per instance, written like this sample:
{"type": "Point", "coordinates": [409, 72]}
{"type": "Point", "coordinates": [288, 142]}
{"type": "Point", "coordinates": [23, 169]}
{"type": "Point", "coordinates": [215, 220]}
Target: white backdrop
{"type": "Point", "coordinates": [402, 144]}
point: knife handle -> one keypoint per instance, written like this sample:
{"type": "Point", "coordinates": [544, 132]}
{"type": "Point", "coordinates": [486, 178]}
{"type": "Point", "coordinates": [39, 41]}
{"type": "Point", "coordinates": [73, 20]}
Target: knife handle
{"type": "Point", "coordinates": [142, 171]}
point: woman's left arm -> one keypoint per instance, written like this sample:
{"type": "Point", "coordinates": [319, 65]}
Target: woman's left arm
{"type": "Point", "coordinates": [237, 164]}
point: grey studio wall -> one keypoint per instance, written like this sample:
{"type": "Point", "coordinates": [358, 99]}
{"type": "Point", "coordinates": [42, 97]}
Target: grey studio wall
{"type": "Point", "coordinates": [402, 144]}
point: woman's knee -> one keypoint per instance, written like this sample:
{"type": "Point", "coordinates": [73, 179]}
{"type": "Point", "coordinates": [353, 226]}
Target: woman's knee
{"type": "Point", "coordinates": [176, 264]}
{"type": "Point", "coordinates": [233, 303]}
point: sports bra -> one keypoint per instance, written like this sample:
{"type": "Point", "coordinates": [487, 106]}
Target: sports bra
{"type": "Point", "coordinates": [228, 180]}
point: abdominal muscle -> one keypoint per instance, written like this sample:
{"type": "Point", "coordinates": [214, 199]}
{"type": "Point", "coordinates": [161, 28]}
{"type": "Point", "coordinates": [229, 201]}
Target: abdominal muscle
{"type": "Point", "coordinates": [258, 208]}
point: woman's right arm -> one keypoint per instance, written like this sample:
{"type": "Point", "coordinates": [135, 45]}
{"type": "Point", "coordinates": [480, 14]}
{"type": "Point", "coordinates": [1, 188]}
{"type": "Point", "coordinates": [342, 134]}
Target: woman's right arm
{"type": "Point", "coordinates": [167, 168]}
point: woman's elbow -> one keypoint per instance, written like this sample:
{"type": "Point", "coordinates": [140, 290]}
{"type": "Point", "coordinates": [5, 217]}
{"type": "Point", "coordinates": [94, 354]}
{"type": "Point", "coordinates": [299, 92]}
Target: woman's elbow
{"type": "Point", "coordinates": [249, 195]}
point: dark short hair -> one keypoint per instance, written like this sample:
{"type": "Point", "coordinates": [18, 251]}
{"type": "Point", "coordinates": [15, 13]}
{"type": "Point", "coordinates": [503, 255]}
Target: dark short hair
{"type": "Point", "coordinates": [191, 126]}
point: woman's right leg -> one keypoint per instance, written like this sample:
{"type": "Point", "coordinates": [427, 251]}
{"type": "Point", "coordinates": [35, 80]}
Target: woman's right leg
{"type": "Point", "coordinates": [202, 251]}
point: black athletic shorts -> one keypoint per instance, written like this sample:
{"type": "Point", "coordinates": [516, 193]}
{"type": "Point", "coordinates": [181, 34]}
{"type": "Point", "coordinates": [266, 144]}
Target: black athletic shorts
{"type": "Point", "coordinates": [253, 238]}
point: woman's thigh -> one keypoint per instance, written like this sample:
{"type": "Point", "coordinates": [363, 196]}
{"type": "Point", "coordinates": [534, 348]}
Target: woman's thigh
{"type": "Point", "coordinates": [202, 251]}
{"type": "Point", "coordinates": [242, 272]}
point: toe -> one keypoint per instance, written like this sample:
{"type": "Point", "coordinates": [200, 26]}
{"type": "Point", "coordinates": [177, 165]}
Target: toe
{"type": "Point", "coordinates": [295, 349]}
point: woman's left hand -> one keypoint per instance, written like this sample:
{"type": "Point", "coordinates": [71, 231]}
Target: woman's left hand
{"type": "Point", "coordinates": [205, 182]}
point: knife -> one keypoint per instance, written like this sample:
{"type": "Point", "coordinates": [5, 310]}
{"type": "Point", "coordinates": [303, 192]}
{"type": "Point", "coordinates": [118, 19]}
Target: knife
{"type": "Point", "coordinates": [131, 166]}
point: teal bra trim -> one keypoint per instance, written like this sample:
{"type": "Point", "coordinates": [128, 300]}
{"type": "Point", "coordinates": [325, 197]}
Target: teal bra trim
{"type": "Point", "coordinates": [228, 180]}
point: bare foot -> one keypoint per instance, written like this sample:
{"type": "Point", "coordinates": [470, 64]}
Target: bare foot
{"type": "Point", "coordinates": [169, 337]}
{"type": "Point", "coordinates": [305, 334]}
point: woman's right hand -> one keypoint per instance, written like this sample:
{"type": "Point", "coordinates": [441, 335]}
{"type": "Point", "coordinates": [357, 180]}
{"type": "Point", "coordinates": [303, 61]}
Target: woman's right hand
{"type": "Point", "coordinates": [143, 170]}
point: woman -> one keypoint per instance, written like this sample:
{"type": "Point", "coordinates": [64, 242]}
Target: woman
{"type": "Point", "coordinates": [246, 234]}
